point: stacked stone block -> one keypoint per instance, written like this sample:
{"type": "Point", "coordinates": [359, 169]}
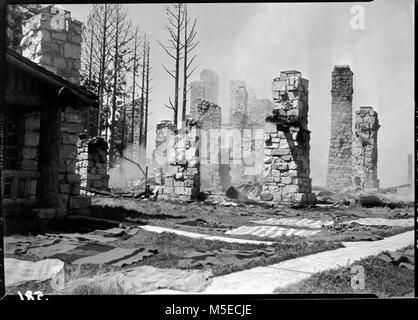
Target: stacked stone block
{"type": "Point", "coordinates": [182, 179]}
{"type": "Point", "coordinates": [53, 40]}
{"type": "Point", "coordinates": [208, 117]}
{"type": "Point", "coordinates": [286, 148]}
{"type": "Point", "coordinates": [69, 179]}
{"type": "Point", "coordinates": [92, 163]}
{"type": "Point", "coordinates": [365, 148]}
{"type": "Point", "coordinates": [339, 175]}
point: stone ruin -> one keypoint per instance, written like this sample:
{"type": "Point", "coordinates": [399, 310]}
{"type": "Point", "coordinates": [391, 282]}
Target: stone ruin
{"type": "Point", "coordinates": [164, 133]}
{"type": "Point", "coordinates": [209, 119]}
{"type": "Point", "coordinates": [365, 148]}
{"type": "Point", "coordinates": [204, 89]}
{"type": "Point", "coordinates": [182, 179]}
{"type": "Point", "coordinates": [340, 168]}
{"type": "Point", "coordinates": [286, 148]}
{"type": "Point", "coordinates": [92, 163]}
{"type": "Point", "coordinates": [239, 104]}
{"type": "Point", "coordinates": [352, 160]}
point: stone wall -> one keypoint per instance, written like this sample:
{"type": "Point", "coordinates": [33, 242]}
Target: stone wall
{"type": "Point", "coordinates": [92, 163]}
{"type": "Point", "coordinates": [286, 168]}
{"type": "Point", "coordinates": [208, 116]}
{"type": "Point", "coordinates": [182, 179]}
{"type": "Point", "coordinates": [54, 42]}
{"type": "Point", "coordinates": [365, 148]}
{"type": "Point", "coordinates": [339, 175]}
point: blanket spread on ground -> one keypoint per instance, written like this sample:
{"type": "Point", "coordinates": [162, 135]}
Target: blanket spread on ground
{"type": "Point", "coordinates": [145, 279]}
{"type": "Point", "coordinates": [20, 271]}
{"type": "Point", "coordinates": [203, 258]}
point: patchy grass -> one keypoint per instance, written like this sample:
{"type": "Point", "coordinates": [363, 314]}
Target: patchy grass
{"type": "Point", "coordinates": [172, 248]}
{"type": "Point", "coordinates": [170, 214]}
{"type": "Point", "coordinates": [381, 278]}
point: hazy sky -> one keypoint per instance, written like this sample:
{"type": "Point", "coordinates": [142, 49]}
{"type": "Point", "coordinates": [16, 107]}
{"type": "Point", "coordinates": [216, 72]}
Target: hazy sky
{"type": "Point", "coordinates": [255, 41]}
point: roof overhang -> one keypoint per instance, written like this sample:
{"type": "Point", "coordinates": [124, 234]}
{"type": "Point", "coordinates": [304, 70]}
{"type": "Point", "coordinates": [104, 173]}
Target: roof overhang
{"type": "Point", "coordinates": [80, 97]}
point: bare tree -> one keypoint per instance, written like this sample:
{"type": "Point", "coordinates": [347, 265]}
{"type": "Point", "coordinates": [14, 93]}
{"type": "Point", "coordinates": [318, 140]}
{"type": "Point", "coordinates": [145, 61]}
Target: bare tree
{"type": "Point", "coordinates": [104, 37]}
{"type": "Point", "coordinates": [147, 93]}
{"type": "Point", "coordinates": [189, 44]}
{"type": "Point", "coordinates": [175, 19]}
{"type": "Point", "coordinates": [135, 65]}
{"type": "Point", "coordinates": [142, 101]}
{"type": "Point", "coordinates": [122, 38]}
{"type": "Point", "coordinates": [89, 69]}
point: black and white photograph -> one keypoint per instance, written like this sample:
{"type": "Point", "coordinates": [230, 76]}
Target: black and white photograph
{"type": "Point", "coordinates": [208, 149]}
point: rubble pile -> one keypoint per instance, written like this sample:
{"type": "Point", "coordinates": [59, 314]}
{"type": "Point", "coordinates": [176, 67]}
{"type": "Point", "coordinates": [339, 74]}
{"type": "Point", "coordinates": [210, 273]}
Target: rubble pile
{"type": "Point", "coordinates": [286, 143]}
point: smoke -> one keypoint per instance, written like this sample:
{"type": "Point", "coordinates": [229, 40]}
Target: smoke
{"type": "Point", "coordinates": [126, 175]}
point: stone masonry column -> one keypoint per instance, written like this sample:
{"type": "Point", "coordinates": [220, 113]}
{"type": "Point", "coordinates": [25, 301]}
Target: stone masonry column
{"type": "Point", "coordinates": [340, 150]}
{"type": "Point", "coordinates": [286, 164]}
{"type": "Point", "coordinates": [182, 179]}
{"type": "Point", "coordinates": [208, 116]}
{"type": "Point", "coordinates": [365, 149]}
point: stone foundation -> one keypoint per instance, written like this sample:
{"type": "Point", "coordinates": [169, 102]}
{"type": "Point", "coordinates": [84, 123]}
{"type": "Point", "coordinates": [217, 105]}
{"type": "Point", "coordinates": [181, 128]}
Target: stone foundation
{"type": "Point", "coordinates": [365, 149]}
{"type": "Point", "coordinates": [339, 175]}
{"type": "Point", "coordinates": [286, 148]}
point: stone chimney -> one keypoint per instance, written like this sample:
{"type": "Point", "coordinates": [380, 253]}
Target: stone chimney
{"type": "Point", "coordinates": [52, 39]}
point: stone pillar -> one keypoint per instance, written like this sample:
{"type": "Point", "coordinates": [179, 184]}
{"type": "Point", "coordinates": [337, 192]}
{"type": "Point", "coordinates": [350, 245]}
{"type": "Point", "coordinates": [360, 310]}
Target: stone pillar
{"type": "Point", "coordinates": [92, 163]}
{"type": "Point", "coordinates": [286, 165]}
{"type": "Point", "coordinates": [209, 119]}
{"type": "Point", "coordinates": [211, 85]}
{"type": "Point", "coordinates": [69, 179]}
{"type": "Point", "coordinates": [53, 40]}
{"type": "Point", "coordinates": [365, 149]}
{"type": "Point", "coordinates": [340, 150]}
{"type": "Point", "coordinates": [182, 179]}
{"type": "Point", "coordinates": [238, 104]}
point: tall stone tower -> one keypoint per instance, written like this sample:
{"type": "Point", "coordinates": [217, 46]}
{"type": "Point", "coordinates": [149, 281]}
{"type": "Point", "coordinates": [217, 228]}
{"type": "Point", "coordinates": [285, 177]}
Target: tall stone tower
{"type": "Point", "coordinates": [286, 171]}
{"type": "Point", "coordinates": [211, 84]}
{"type": "Point", "coordinates": [365, 148]}
{"type": "Point", "coordinates": [238, 104]}
{"type": "Point", "coordinates": [340, 150]}
{"type": "Point", "coordinates": [52, 39]}
{"type": "Point", "coordinates": [204, 89]}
